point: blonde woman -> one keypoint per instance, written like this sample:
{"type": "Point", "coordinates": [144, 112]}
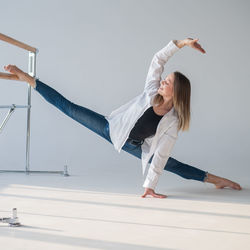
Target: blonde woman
{"type": "Point", "coordinates": [147, 126]}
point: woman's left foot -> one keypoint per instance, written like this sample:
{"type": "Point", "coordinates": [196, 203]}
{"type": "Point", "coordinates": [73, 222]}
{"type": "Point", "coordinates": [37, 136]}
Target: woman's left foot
{"type": "Point", "coordinates": [13, 69]}
{"type": "Point", "coordinates": [227, 183]}
{"type": "Point", "coordinates": [220, 182]}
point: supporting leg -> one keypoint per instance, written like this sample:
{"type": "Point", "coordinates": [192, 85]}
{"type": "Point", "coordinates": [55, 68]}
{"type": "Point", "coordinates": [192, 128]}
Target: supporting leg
{"type": "Point", "coordinates": [184, 170]}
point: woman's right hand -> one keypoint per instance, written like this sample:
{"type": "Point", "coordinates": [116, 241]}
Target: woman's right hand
{"type": "Point", "coordinates": [193, 44]}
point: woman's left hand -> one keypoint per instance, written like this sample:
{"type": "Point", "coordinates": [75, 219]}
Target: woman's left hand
{"type": "Point", "coordinates": [193, 44]}
{"type": "Point", "coordinates": [149, 191]}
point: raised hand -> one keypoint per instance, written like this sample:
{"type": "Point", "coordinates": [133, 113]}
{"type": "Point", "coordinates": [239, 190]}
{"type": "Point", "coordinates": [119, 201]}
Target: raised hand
{"type": "Point", "coordinates": [194, 44]}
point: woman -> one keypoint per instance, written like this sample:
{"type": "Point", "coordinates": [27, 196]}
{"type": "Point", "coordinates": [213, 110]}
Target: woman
{"type": "Point", "coordinates": [148, 125]}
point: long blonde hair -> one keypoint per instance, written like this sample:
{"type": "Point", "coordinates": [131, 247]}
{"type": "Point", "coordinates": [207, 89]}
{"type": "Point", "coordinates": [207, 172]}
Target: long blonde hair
{"type": "Point", "coordinates": [181, 100]}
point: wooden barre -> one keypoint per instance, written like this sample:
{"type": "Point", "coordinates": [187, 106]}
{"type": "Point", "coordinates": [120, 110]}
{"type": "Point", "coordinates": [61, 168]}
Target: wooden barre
{"type": "Point", "coordinates": [8, 76]}
{"type": "Point", "coordinates": [17, 43]}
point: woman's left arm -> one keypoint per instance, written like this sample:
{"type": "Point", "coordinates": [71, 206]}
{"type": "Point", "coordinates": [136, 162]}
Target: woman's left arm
{"type": "Point", "coordinates": [157, 64]}
{"type": "Point", "coordinates": [179, 43]}
{"type": "Point", "coordinates": [159, 160]}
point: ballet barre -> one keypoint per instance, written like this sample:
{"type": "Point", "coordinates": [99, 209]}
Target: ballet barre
{"type": "Point", "coordinates": [32, 72]}
{"type": "Point", "coordinates": [19, 44]}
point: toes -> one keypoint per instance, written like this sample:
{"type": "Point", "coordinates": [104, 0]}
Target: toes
{"type": "Point", "coordinates": [237, 186]}
{"type": "Point", "coordinates": [7, 67]}
{"type": "Point", "coordinates": [232, 185]}
{"type": "Point", "coordinates": [219, 186]}
{"type": "Point", "coordinates": [11, 68]}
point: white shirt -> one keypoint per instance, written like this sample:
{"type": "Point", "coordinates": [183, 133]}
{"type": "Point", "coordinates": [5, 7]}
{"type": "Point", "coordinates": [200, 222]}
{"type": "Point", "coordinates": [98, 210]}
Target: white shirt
{"type": "Point", "coordinates": [122, 120]}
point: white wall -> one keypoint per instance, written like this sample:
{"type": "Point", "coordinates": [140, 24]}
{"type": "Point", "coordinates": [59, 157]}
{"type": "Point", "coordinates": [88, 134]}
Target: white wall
{"type": "Point", "coordinates": [97, 53]}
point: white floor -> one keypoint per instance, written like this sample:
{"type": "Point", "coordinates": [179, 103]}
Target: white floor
{"type": "Point", "coordinates": [82, 212]}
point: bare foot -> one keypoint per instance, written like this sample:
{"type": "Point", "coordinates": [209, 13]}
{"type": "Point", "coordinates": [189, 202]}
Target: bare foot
{"type": "Point", "coordinates": [220, 182]}
{"type": "Point", "coordinates": [227, 183]}
{"type": "Point", "coordinates": [13, 69]}
{"type": "Point", "coordinates": [16, 71]}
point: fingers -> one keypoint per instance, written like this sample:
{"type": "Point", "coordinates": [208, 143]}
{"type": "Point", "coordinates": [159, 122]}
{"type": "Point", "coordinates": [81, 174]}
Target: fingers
{"type": "Point", "coordinates": [198, 47]}
{"type": "Point", "coordinates": [157, 196]}
{"type": "Point", "coordinates": [154, 195]}
{"type": "Point", "coordinates": [160, 195]}
{"type": "Point", "coordinates": [201, 49]}
{"type": "Point", "coordinates": [195, 45]}
{"type": "Point", "coordinates": [191, 40]}
{"type": "Point", "coordinates": [144, 195]}
{"type": "Point", "coordinates": [195, 40]}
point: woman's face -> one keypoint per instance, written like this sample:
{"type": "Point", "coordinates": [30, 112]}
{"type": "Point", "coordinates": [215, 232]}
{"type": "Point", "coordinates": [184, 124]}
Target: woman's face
{"type": "Point", "coordinates": [167, 86]}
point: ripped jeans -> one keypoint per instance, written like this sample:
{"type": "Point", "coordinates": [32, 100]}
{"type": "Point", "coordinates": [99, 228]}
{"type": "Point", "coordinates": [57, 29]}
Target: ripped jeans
{"type": "Point", "coordinates": [99, 125]}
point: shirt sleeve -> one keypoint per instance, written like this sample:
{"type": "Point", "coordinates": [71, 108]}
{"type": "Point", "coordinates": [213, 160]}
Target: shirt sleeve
{"type": "Point", "coordinates": [157, 66]}
{"type": "Point", "coordinates": [160, 158]}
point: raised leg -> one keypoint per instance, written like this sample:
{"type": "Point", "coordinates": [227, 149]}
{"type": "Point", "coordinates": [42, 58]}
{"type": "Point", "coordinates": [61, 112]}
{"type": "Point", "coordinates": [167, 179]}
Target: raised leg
{"type": "Point", "coordinates": [90, 119]}
{"type": "Point", "coordinates": [186, 171]}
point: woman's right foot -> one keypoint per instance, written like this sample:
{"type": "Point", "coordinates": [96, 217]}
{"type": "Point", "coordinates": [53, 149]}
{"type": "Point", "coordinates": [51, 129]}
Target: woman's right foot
{"type": "Point", "coordinates": [16, 71]}
{"type": "Point", "coordinates": [220, 182]}
{"type": "Point", "coordinates": [13, 69]}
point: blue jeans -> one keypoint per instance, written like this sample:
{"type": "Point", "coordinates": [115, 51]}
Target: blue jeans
{"type": "Point", "coordinates": [99, 125]}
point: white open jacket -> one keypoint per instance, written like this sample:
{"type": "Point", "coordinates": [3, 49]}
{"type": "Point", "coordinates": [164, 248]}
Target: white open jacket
{"type": "Point", "coordinates": [122, 120]}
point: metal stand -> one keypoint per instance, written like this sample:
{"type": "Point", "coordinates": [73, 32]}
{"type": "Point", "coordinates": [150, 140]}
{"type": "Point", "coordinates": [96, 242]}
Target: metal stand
{"type": "Point", "coordinates": [32, 72]}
